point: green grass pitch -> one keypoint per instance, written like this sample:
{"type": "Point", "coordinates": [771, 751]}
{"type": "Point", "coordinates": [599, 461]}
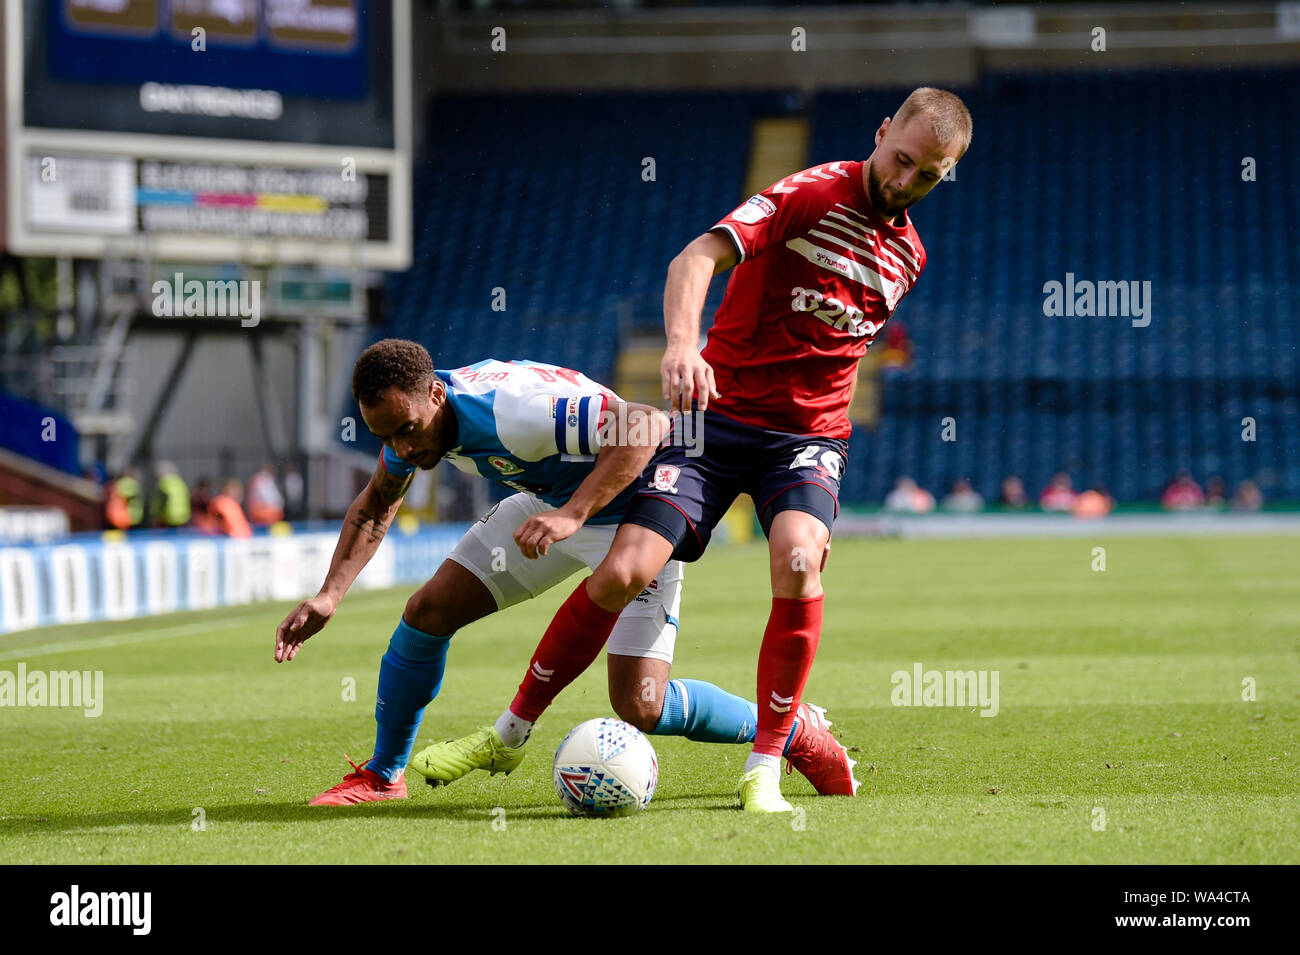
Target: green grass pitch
{"type": "Point", "coordinates": [1120, 701]}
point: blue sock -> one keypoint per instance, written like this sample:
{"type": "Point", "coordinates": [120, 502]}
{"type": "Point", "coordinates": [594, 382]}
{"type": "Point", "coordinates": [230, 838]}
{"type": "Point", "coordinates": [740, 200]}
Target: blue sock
{"type": "Point", "coordinates": [410, 675]}
{"type": "Point", "coordinates": [706, 714]}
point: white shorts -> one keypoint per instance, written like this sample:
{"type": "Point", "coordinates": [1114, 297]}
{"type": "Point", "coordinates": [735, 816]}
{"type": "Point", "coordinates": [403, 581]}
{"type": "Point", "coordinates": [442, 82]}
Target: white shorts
{"type": "Point", "coordinates": [646, 628]}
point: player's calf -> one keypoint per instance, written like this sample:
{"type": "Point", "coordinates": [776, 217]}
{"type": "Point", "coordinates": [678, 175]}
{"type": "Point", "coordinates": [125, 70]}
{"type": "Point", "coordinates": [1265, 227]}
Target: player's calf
{"type": "Point", "coordinates": [637, 687]}
{"type": "Point", "coordinates": [642, 716]}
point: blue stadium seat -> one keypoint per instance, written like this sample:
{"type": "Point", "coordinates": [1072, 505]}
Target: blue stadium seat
{"type": "Point", "coordinates": [1219, 253]}
{"type": "Point", "coordinates": [543, 196]}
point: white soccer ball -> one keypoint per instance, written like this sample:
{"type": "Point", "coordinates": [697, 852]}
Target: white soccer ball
{"type": "Point", "coordinates": [605, 767]}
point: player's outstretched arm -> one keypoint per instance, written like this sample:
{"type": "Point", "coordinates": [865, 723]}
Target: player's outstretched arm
{"type": "Point", "coordinates": [685, 374]}
{"type": "Point", "coordinates": [364, 527]}
{"type": "Point", "coordinates": [630, 432]}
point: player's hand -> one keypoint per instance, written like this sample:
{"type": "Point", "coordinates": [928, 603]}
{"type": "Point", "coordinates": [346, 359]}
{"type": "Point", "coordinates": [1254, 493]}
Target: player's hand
{"type": "Point", "coordinates": [536, 535]}
{"type": "Point", "coordinates": [306, 620]}
{"type": "Point", "coordinates": [685, 376]}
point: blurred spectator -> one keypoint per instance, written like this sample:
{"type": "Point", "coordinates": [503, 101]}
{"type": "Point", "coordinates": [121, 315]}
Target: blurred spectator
{"type": "Point", "coordinates": [906, 497]}
{"type": "Point", "coordinates": [293, 492]}
{"type": "Point", "coordinates": [124, 507]}
{"type": "Point", "coordinates": [1215, 493]}
{"type": "Point", "coordinates": [200, 498]}
{"type": "Point", "coordinates": [896, 359]}
{"type": "Point", "coordinates": [1059, 495]}
{"type": "Point", "coordinates": [224, 515]}
{"type": "Point", "coordinates": [1094, 502]}
{"type": "Point", "coordinates": [116, 514]}
{"type": "Point", "coordinates": [1248, 497]}
{"type": "Point", "coordinates": [265, 502]}
{"type": "Point", "coordinates": [1013, 494]}
{"type": "Point", "coordinates": [963, 498]}
{"type": "Point", "coordinates": [169, 506]}
{"type": "Point", "coordinates": [1182, 494]}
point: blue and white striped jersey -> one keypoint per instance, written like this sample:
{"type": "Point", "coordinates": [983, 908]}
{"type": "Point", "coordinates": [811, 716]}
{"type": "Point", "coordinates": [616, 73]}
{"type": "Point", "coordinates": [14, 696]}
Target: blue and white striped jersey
{"type": "Point", "coordinates": [529, 425]}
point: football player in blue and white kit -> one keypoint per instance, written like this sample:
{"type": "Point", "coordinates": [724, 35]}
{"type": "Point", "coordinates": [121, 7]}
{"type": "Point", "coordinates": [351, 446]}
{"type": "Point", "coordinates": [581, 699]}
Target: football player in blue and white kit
{"type": "Point", "coordinates": [539, 429]}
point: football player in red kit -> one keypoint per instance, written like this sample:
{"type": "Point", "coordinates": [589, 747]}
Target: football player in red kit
{"type": "Point", "coordinates": [822, 258]}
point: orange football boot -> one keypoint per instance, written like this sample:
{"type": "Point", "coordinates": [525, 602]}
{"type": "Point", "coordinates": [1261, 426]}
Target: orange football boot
{"type": "Point", "coordinates": [362, 785]}
{"type": "Point", "coordinates": [819, 756]}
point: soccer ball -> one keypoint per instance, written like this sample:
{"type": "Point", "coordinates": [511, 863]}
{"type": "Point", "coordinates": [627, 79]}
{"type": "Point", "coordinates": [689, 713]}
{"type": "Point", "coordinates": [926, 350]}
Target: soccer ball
{"type": "Point", "coordinates": [605, 767]}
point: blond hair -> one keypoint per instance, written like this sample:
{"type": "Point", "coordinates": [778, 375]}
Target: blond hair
{"type": "Point", "coordinates": [946, 112]}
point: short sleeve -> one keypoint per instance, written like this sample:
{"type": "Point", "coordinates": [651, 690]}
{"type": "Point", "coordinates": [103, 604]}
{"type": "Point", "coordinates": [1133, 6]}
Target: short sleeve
{"type": "Point", "coordinates": [393, 464]}
{"type": "Point", "coordinates": [577, 422]}
{"type": "Point", "coordinates": [545, 410]}
{"type": "Point", "coordinates": [765, 219]}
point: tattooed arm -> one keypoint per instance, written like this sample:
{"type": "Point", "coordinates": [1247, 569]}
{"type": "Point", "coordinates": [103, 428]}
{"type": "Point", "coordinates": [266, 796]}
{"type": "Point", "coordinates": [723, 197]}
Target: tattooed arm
{"type": "Point", "coordinates": [363, 530]}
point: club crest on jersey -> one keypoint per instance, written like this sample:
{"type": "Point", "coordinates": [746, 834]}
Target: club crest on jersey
{"type": "Point", "coordinates": [665, 478]}
{"type": "Point", "coordinates": [504, 465]}
{"type": "Point", "coordinates": [755, 209]}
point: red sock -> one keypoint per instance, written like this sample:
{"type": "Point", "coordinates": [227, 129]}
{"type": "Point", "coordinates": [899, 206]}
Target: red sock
{"type": "Point", "coordinates": [570, 645]}
{"type": "Point", "coordinates": [784, 662]}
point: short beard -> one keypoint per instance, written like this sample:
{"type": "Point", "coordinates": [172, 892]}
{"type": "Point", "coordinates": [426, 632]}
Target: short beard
{"type": "Point", "coordinates": [876, 193]}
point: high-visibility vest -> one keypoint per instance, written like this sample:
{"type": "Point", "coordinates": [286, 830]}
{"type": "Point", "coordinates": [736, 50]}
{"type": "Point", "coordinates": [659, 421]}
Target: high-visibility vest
{"type": "Point", "coordinates": [174, 500]}
{"type": "Point", "coordinates": [131, 492]}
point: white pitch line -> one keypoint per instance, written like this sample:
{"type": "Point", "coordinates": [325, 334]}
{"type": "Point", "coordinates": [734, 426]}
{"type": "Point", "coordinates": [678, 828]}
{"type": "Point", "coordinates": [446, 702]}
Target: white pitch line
{"type": "Point", "coordinates": [96, 643]}
{"type": "Point", "coordinates": [162, 633]}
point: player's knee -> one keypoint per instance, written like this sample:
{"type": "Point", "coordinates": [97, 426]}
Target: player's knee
{"type": "Point", "coordinates": [428, 615]}
{"type": "Point", "coordinates": [796, 568]}
{"type": "Point", "coordinates": [619, 580]}
{"type": "Point", "coordinates": [641, 713]}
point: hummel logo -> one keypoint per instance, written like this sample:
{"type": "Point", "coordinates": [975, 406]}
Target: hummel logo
{"type": "Point", "coordinates": [785, 702]}
{"type": "Point", "coordinates": [541, 673]}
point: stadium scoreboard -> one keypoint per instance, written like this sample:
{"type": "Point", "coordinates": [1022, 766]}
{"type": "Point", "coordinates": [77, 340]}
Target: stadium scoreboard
{"type": "Point", "coordinates": [272, 131]}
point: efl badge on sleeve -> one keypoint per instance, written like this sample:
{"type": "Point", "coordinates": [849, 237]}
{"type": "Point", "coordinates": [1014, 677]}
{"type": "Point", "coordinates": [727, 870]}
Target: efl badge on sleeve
{"type": "Point", "coordinates": [754, 210]}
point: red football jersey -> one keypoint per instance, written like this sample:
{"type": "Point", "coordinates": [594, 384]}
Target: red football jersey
{"type": "Point", "coordinates": [820, 272]}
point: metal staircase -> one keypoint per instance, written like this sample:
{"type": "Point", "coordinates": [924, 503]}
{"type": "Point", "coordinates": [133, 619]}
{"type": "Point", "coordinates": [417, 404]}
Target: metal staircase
{"type": "Point", "coordinates": [95, 379]}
